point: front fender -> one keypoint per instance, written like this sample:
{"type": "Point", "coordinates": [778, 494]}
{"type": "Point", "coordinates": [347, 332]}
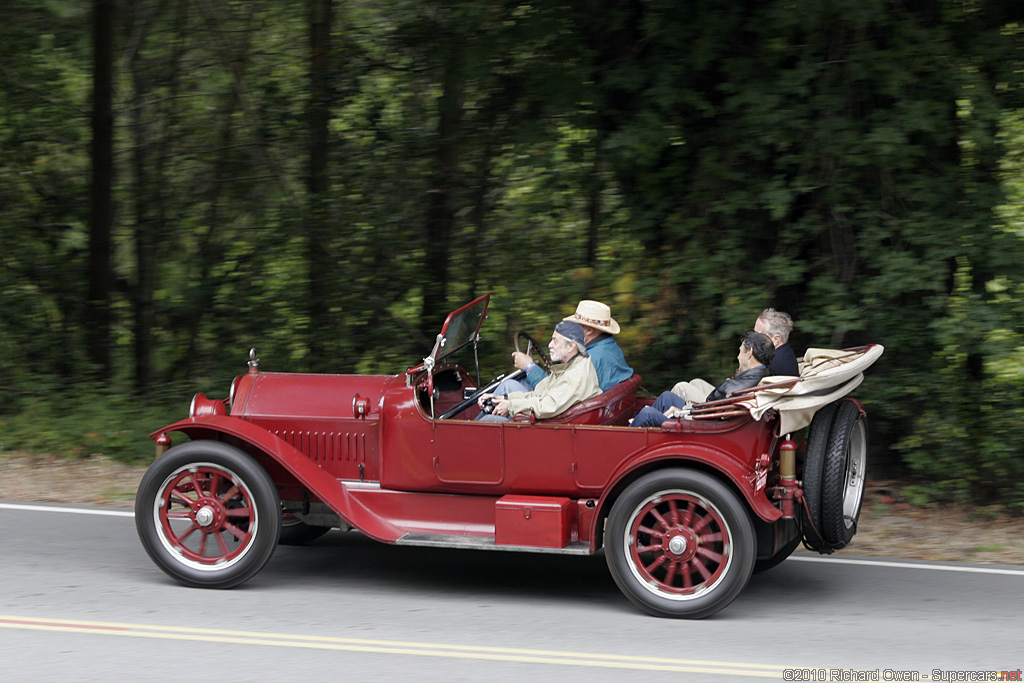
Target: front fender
{"type": "Point", "coordinates": [322, 484]}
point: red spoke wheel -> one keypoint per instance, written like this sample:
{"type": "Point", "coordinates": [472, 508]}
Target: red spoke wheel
{"type": "Point", "coordinates": [680, 544]}
{"type": "Point", "coordinates": [208, 514]}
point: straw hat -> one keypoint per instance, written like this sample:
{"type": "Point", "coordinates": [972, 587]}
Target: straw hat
{"type": "Point", "coordinates": [596, 315]}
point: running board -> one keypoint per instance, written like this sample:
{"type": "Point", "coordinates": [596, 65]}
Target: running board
{"type": "Point", "coordinates": [486, 543]}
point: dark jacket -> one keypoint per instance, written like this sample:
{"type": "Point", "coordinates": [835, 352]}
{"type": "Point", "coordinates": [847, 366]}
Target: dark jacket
{"type": "Point", "coordinates": [784, 362]}
{"type": "Point", "coordinates": [744, 380]}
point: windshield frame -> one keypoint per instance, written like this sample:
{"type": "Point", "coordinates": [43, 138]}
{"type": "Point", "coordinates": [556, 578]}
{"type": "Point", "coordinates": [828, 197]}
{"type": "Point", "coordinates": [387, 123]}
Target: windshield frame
{"type": "Point", "coordinates": [461, 327]}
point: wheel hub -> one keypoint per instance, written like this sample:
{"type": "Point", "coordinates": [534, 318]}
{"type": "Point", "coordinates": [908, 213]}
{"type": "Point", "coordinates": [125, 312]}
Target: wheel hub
{"type": "Point", "coordinates": [682, 544]}
{"type": "Point", "coordinates": [205, 516]}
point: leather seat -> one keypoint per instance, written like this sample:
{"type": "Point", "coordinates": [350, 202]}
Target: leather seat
{"type": "Point", "coordinates": [612, 407]}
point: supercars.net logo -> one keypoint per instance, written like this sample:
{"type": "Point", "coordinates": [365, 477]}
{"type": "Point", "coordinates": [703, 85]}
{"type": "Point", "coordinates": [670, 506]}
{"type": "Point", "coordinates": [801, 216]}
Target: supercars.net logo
{"type": "Point", "coordinates": [819, 675]}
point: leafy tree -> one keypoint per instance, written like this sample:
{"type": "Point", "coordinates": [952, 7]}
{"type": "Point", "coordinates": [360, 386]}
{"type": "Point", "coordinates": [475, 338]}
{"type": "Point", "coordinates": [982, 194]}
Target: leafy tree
{"type": "Point", "coordinates": [326, 181]}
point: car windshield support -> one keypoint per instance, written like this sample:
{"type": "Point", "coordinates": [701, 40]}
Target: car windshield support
{"type": "Point", "coordinates": [428, 362]}
{"type": "Point", "coordinates": [476, 357]}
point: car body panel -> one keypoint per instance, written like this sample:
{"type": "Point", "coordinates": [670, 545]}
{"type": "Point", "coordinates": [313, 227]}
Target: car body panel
{"type": "Point", "coordinates": [444, 476]}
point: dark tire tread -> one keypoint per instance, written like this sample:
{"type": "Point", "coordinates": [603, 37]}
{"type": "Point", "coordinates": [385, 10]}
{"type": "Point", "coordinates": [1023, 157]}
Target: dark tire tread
{"type": "Point", "coordinates": [833, 525]}
{"type": "Point", "coordinates": [814, 467]}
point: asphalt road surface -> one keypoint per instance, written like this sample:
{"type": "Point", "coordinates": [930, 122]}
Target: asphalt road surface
{"type": "Point", "coordinates": [81, 601]}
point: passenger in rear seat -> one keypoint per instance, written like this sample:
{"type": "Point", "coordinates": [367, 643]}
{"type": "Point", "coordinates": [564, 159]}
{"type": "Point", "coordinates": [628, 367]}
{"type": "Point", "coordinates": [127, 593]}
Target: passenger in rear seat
{"type": "Point", "coordinates": [776, 325]}
{"type": "Point", "coordinates": [755, 353]}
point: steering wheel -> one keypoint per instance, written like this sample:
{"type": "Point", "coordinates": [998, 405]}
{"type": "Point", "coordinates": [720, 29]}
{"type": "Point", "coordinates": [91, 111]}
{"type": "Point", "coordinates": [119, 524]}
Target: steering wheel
{"type": "Point", "coordinates": [545, 361]}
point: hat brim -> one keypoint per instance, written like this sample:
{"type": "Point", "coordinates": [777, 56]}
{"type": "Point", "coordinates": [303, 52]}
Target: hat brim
{"type": "Point", "coordinates": [612, 327]}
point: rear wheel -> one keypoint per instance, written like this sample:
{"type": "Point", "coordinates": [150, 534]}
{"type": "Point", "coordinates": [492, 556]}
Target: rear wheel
{"type": "Point", "coordinates": [680, 543]}
{"type": "Point", "coordinates": [208, 514]}
{"type": "Point", "coordinates": [779, 557]}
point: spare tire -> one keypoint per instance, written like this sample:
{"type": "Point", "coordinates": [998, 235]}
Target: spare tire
{"type": "Point", "coordinates": [843, 475]}
{"type": "Point", "coordinates": [812, 476]}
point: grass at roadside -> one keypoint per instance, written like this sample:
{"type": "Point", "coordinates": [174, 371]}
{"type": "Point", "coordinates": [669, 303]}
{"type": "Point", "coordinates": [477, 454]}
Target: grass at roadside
{"type": "Point", "coordinates": [86, 423]}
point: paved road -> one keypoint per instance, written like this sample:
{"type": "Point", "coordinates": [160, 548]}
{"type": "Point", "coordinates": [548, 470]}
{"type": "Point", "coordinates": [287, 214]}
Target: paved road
{"type": "Point", "coordinates": [81, 601]}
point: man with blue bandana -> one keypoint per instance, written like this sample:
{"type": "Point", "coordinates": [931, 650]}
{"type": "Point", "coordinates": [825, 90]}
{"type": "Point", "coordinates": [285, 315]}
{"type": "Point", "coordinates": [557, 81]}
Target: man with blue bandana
{"type": "Point", "coordinates": [572, 379]}
{"type": "Point", "coordinates": [598, 330]}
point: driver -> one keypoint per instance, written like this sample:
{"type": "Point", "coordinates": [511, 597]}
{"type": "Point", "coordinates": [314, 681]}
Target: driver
{"type": "Point", "coordinates": [572, 379]}
{"type": "Point", "coordinates": [598, 328]}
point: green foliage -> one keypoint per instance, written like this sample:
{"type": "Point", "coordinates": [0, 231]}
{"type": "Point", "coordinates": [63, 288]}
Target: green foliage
{"type": "Point", "coordinates": [88, 420]}
{"type": "Point", "coordinates": [964, 443]}
{"type": "Point", "coordinates": [857, 163]}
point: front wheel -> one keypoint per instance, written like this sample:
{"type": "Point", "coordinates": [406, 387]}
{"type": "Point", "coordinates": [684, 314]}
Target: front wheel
{"type": "Point", "coordinates": [680, 543]}
{"type": "Point", "coordinates": [208, 514]}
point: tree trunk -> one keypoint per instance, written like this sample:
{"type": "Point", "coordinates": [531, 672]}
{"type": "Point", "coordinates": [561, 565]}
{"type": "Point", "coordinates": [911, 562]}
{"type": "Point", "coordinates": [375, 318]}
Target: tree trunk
{"type": "Point", "coordinates": [101, 209]}
{"type": "Point", "coordinates": [318, 182]}
{"type": "Point", "coordinates": [595, 187]}
{"type": "Point", "coordinates": [151, 134]}
{"type": "Point", "coordinates": [440, 200]}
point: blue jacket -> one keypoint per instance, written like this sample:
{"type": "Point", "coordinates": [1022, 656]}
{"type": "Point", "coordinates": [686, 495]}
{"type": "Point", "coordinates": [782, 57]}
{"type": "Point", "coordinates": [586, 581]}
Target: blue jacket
{"type": "Point", "coordinates": [607, 358]}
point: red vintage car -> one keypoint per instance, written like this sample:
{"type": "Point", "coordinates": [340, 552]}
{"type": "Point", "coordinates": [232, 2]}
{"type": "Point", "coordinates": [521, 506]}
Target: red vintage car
{"type": "Point", "coordinates": [685, 512]}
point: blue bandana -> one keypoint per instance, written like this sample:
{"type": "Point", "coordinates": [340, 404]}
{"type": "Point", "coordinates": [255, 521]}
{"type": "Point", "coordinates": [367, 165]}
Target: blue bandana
{"type": "Point", "coordinates": [571, 331]}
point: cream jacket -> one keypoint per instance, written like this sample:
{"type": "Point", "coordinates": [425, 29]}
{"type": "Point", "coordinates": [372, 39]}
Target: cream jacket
{"type": "Point", "coordinates": [568, 384]}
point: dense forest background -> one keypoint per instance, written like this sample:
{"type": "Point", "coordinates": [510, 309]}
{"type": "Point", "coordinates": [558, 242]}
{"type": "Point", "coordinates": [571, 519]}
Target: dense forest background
{"type": "Point", "coordinates": [181, 180]}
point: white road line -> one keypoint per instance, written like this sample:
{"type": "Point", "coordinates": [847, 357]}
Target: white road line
{"type": "Point", "coordinates": [909, 565]}
{"type": "Point", "coordinates": [72, 511]}
{"type": "Point", "coordinates": [796, 558]}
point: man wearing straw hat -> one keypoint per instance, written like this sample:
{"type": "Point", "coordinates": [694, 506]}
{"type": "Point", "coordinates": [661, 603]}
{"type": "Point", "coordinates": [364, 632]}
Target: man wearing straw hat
{"type": "Point", "coordinates": [598, 328]}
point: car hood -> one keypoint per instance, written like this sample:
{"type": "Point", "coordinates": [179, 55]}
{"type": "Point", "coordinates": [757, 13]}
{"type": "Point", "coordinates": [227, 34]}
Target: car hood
{"type": "Point", "coordinates": [272, 394]}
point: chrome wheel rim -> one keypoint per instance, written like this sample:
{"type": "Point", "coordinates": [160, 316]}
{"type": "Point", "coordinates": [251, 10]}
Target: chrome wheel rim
{"type": "Point", "coordinates": [856, 463]}
{"type": "Point", "coordinates": [678, 545]}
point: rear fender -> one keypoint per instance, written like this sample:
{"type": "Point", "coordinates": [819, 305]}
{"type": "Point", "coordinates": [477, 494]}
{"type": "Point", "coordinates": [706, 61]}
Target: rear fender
{"type": "Point", "coordinates": [707, 460]}
{"type": "Point", "coordinates": [259, 441]}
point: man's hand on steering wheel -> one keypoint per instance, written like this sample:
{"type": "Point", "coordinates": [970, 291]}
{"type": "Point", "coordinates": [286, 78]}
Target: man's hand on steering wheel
{"type": "Point", "coordinates": [519, 356]}
{"type": "Point", "coordinates": [521, 360]}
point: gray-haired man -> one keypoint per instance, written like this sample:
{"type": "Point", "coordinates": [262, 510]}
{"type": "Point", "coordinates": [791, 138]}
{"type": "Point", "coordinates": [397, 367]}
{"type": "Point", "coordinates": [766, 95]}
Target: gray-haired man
{"type": "Point", "coordinates": [773, 324]}
{"type": "Point", "coordinates": [572, 379]}
{"type": "Point", "coordinates": [777, 325]}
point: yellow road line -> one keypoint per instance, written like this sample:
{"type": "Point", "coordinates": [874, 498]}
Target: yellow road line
{"type": "Point", "coordinates": [392, 647]}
